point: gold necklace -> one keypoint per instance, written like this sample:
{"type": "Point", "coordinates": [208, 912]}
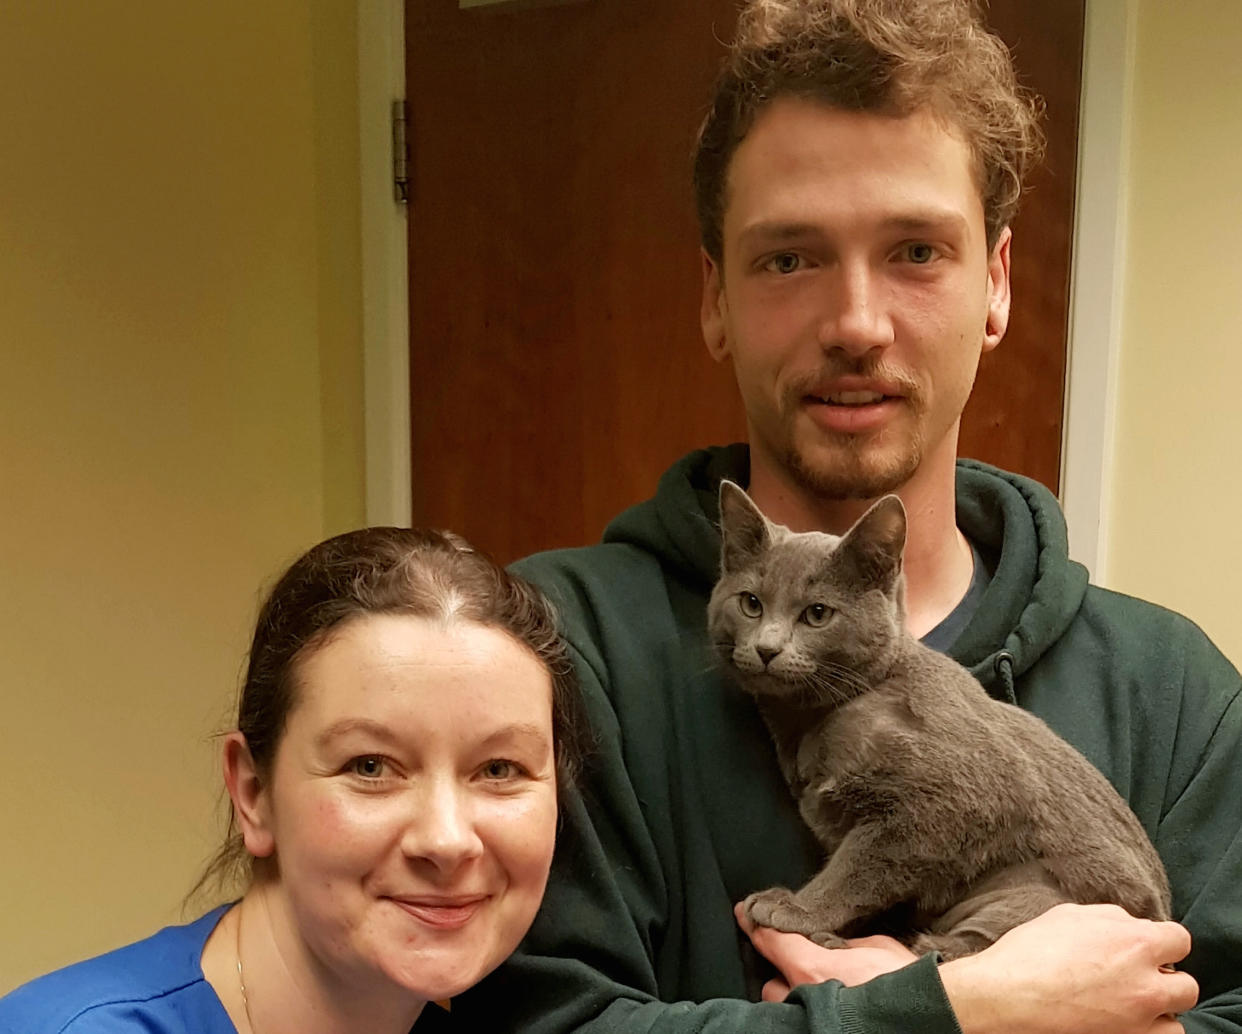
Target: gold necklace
{"type": "Point", "coordinates": [241, 979]}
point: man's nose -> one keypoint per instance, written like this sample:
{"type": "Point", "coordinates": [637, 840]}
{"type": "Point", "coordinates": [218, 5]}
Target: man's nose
{"type": "Point", "coordinates": [857, 318]}
{"type": "Point", "coordinates": [441, 827]}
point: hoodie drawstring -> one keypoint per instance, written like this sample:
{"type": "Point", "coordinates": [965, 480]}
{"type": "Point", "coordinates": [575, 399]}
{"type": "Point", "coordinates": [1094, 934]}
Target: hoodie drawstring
{"type": "Point", "coordinates": [1003, 666]}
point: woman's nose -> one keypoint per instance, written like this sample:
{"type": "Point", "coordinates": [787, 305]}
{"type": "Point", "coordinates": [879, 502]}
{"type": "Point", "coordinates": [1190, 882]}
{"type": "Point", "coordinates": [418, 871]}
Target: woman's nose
{"type": "Point", "coordinates": [441, 827]}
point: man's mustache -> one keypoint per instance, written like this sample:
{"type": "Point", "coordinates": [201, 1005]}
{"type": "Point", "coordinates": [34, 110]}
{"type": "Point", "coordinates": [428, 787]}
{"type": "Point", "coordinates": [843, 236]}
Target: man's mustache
{"type": "Point", "coordinates": [898, 381]}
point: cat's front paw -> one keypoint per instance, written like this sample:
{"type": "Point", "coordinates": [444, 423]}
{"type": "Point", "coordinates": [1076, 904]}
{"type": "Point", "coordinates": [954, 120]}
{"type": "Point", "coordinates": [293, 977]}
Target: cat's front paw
{"type": "Point", "coordinates": [779, 909]}
{"type": "Point", "coordinates": [769, 907]}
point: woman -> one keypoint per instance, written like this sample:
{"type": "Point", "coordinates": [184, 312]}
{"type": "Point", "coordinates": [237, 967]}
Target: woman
{"type": "Point", "coordinates": [407, 721]}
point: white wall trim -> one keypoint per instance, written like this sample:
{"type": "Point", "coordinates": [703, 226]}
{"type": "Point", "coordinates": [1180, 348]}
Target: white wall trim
{"type": "Point", "coordinates": [385, 280]}
{"type": "Point", "coordinates": [1097, 280]}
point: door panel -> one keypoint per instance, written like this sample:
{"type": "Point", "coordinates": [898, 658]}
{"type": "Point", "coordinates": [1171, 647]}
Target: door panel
{"type": "Point", "coordinates": [556, 362]}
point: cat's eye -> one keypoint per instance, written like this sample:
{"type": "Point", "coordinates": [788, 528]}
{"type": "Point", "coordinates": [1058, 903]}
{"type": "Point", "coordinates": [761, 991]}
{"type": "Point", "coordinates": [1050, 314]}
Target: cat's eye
{"type": "Point", "coordinates": [749, 604]}
{"type": "Point", "coordinates": [817, 614]}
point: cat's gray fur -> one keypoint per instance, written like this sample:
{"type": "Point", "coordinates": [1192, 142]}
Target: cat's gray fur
{"type": "Point", "coordinates": [947, 817]}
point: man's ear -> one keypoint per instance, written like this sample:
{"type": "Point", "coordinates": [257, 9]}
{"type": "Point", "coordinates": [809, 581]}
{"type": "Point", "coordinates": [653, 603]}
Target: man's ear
{"type": "Point", "coordinates": [713, 309]}
{"type": "Point", "coordinates": [250, 796]}
{"type": "Point", "coordinates": [998, 292]}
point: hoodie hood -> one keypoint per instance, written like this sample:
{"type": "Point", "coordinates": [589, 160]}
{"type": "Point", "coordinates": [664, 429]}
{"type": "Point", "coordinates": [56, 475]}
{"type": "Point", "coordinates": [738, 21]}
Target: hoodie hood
{"type": "Point", "coordinates": [1014, 522]}
{"type": "Point", "coordinates": [681, 523]}
{"type": "Point", "coordinates": [1035, 591]}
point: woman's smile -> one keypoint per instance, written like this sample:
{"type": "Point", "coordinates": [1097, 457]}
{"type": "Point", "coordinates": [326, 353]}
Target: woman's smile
{"type": "Point", "coordinates": [443, 913]}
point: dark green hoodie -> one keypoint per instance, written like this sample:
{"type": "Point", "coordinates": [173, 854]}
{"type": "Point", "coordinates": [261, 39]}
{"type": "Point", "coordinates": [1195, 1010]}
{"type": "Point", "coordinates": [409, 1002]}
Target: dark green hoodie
{"type": "Point", "coordinates": [682, 811]}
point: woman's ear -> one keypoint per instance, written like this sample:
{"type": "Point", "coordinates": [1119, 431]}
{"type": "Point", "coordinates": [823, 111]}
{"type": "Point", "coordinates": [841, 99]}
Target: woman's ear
{"type": "Point", "coordinates": [249, 793]}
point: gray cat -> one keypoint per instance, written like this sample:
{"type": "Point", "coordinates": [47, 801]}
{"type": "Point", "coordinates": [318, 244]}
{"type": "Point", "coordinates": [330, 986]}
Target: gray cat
{"type": "Point", "coordinates": [947, 817]}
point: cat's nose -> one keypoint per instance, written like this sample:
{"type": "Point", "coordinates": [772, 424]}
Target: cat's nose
{"type": "Point", "coordinates": [766, 653]}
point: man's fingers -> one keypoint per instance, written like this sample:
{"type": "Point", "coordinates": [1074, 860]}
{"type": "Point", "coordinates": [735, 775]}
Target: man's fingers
{"type": "Point", "coordinates": [743, 920]}
{"type": "Point", "coordinates": [1172, 942]}
{"type": "Point", "coordinates": [760, 936]}
{"type": "Point", "coordinates": [1182, 990]}
{"type": "Point", "coordinates": [768, 942]}
{"type": "Point", "coordinates": [875, 940]}
{"type": "Point", "coordinates": [775, 990]}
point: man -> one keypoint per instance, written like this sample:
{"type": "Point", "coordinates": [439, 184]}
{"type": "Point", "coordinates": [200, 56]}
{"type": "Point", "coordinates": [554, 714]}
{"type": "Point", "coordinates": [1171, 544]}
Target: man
{"type": "Point", "coordinates": [856, 178]}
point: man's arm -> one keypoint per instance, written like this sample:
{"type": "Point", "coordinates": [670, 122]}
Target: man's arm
{"type": "Point", "coordinates": [1029, 981]}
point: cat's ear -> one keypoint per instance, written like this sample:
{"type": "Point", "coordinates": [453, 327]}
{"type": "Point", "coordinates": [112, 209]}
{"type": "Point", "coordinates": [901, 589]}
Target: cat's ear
{"type": "Point", "coordinates": [874, 545]}
{"type": "Point", "coordinates": [743, 529]}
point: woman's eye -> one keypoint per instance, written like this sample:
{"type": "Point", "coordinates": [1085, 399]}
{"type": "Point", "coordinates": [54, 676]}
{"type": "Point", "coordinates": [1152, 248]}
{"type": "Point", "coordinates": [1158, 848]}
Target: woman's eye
{"type": "Point", "coordinates": [786, 262]}
{"type": "Point", "coordinates": [816, 614]}
{"type": "Point", "coordinates": [370, 766]}
{"type": "Point", "coordinates": [498, 768]}
{"type": "Point", "coordinates": [750, 604]}
{"type": "Point", "coordinates": [920, 254]}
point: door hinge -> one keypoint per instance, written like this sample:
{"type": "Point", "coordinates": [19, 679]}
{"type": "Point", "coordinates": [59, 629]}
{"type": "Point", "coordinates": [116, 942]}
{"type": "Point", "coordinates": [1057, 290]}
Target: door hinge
{"type": "Point", "coordinates": [400, 155]}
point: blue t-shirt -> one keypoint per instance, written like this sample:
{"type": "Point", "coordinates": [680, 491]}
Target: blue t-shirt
{"type": "Point", "coordinates": [945, 634]}
{"type": "Point", "coordinates": [155, 986]}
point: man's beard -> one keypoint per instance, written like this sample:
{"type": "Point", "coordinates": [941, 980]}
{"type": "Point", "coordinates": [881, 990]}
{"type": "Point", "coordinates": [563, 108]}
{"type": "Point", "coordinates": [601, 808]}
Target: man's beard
{"type": "Point", "coordinates": [856, 471]}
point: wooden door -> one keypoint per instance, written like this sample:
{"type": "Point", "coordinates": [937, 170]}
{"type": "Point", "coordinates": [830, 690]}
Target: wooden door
{"type": "Point", "coordinates": [556, 362]}
{"type": "Point", "coordinates": [1014, 417]}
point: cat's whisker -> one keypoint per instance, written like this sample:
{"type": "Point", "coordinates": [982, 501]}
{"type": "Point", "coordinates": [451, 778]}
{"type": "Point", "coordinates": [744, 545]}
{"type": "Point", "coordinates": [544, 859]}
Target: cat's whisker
{"type": "Point", "coordinates": [839, 682]}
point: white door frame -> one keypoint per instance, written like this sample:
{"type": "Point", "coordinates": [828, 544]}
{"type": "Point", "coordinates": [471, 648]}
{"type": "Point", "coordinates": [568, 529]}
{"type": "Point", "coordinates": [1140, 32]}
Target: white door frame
{"type": "Point", "coordinates": [1097, 280]}
{"type": "Point", "coordinates": [385, 262]}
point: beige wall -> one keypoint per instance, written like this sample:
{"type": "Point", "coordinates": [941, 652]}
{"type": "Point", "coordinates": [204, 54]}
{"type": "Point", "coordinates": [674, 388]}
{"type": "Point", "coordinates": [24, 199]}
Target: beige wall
{"type": "Point", "coordinates": [180, 414]}
{"type": "Point", "coordinates": [1177, 479]}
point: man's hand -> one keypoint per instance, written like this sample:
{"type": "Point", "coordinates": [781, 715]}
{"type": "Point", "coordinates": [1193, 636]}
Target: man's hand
{"type": "Point", "coordinates": [801, 961]}
{"type": "Point", "coordinates": [1090, 969]}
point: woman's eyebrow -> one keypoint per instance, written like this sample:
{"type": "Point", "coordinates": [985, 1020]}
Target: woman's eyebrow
{"type": "Point", "coordinates": [508, 733]}
{"type": "Point", "coordinates": [344, 726]}
{"type": "Point", "coordinates": [517, 732]}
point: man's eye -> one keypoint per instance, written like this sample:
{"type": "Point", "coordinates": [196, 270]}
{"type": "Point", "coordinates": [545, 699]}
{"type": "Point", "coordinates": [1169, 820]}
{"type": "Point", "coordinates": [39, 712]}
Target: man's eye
{"type": "Point", "coordinates": [786, 262]}
{"type": "Point", "coordinates": [920, 254]}
{"type": "Point", "coordinates": [750, 604]}
{"type": "Point", "coordinates": [370, 766]}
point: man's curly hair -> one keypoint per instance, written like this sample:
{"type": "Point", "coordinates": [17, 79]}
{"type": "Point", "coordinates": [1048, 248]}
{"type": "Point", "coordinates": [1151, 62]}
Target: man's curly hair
{"type": "Point", "coordinates": [894, 57]}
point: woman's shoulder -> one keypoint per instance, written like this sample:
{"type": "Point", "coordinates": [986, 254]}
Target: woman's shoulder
{"type": "Point", "coordinates": [152, 985]}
